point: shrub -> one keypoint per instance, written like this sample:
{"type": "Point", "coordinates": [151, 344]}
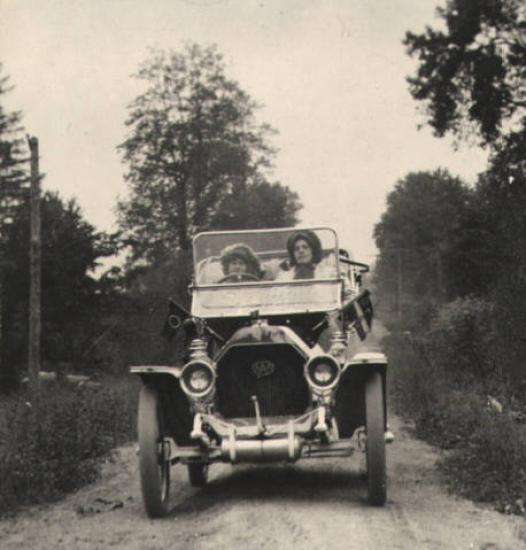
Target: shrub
{"type": "Point", "coordinates": [58, 449]}
{"type": "Point", "coordinates": [464, 342]}
{"type": "Point", "coordinates": [441, 380]}
{"type": "Point", "coordinates": [491, 465]}
{"type": "Point", "coordinates": [413, 382]}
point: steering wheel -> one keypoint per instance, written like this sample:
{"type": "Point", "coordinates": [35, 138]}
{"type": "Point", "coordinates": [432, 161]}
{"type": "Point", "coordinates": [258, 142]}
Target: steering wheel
{"type": "Point", "coordinates": [239, 277]}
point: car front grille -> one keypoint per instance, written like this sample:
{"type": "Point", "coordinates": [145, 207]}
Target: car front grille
{"type": "Point", "coordinates": [273, 373]}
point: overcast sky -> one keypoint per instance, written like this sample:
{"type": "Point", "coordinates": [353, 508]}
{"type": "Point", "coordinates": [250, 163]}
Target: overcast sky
{"type": "Point", "coordinates": [329, 74]}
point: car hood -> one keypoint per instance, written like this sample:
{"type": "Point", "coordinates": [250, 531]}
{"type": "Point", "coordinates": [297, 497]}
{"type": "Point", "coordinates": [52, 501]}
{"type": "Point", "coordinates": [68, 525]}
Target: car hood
{"type": "Point", "coordinates": [261, 333]}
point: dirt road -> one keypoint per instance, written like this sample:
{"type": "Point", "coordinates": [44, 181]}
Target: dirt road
{"type": "Point", "coordinates": [314, 504]}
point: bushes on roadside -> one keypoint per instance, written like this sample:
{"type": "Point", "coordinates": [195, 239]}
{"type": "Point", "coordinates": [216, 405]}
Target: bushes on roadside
{"type": "Point", "coordinates": [45, 454]}
{"type": "Point", "coordinates": [443, 379]}
{"type": "Point", "coordinates": [464, 342]}
{"type": "Point", "coordinates": [490, 466]}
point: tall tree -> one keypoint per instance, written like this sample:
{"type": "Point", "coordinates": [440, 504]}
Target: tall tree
{"type": "Point", "coordinates": [194, 143]}
{"type": "Point", "coordinates": [13, 187]}
{"type": "Point", "coordinates": [471, 75]}
{"type": "Point", "coordinates": [12, 161]}
{"type": "Point", "coordinates": [256, 206]}
{"type": "Point", "coordinates": [471, 79]}
{"type": "Point", "coordinates": [418, 237]}
{"type": "Point", "coordinates": [71, 296]}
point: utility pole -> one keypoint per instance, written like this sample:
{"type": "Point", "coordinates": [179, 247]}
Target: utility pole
{"type": "Point", "coordinates": [35, 275]}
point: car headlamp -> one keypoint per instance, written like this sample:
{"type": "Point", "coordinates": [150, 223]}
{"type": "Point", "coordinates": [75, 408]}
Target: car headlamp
{"type": "Point", "coordinates": [323, 372]}
{"type": "Point", "coordinates": [198, 379]}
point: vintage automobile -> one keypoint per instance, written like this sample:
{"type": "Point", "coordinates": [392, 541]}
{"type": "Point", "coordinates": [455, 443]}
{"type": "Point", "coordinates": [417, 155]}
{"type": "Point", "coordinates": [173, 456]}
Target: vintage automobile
{"type": "Point", "coordinates": [273, 370]}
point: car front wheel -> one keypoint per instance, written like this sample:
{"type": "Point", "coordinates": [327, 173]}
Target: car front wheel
{"type": "Point", "coordinates": [154, 469]}
{"type": "Point", "coordinates": [375, 446]}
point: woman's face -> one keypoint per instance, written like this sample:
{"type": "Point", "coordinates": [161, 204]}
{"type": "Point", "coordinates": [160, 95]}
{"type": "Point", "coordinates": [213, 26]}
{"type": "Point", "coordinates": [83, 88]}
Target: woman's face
{"type": "Point", "coordinates": [236, 266]}
{"type": "Point", "coordinates": [302, 252]}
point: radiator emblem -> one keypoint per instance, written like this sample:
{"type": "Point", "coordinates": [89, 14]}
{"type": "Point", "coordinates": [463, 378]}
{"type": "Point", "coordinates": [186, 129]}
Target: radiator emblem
{"type": "Point", "coordinates": [262, 368]}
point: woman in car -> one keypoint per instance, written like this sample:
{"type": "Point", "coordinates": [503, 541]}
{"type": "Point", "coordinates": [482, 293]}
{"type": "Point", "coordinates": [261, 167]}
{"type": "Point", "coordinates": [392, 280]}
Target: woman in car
{"type": "Point", "coordinates": [305, 254]}
{"type": "Point", "coordinates": [239, 263]}
{"type": "Point", "coordinates": [305, 260]}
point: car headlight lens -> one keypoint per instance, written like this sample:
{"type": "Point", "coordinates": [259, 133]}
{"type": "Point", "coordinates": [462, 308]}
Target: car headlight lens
{"type": "Point", "coordinates": [198, 379]}
{"type": "Point", "coordinates": [323, 372]}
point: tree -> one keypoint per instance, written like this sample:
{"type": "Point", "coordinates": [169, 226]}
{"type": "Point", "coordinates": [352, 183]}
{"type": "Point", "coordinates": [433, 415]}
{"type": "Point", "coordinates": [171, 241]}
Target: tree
{"type": "Point", "coordinates": [471, 79]}
{"type": "Point", "coordinates": [72, 299]}
{"type": "Point", "coordinates": [12, 170]}
{"type": "Point", "coordinates": [418, 237]}
{"type": "Point", "coordinates": [13, 190]}
{"type": "Point", "coordinates": [257, 206]}
{"type": "Point", "coordinates": [471, 76]}
{"type": "Point", "coordinates": [193, 151]}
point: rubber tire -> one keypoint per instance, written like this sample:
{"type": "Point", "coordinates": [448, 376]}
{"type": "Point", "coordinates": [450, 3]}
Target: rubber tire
{"type": "Point", "coordinates": [155, 476]}
{"type": "Point", "coordinates": [198, 474]}
{"type": "Point", "coordinates": [375, 451]}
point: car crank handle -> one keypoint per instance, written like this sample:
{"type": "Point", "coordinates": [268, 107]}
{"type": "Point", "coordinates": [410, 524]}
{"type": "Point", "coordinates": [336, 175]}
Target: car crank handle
{"type": "Point", "coordinates": [259, 422]}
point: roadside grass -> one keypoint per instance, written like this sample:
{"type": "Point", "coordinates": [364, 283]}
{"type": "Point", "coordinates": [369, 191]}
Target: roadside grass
{"type": "Point", "coordinates": [48, 453]}
{"type": "Point", "coordinates": [485, 458]}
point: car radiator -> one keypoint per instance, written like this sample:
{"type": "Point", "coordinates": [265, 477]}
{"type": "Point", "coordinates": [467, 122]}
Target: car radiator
{"type": "Point", "coordinates": [273, 373]}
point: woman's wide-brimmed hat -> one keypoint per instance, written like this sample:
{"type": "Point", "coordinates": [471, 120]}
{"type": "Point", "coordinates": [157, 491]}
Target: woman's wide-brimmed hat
{"type": "Point", "coordinates": [311, 238]}
{"type": "Point", "coordinates": [245, 253]}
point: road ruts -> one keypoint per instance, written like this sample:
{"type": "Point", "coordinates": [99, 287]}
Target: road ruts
{"type": "Point", "coordinates": [313, 504]}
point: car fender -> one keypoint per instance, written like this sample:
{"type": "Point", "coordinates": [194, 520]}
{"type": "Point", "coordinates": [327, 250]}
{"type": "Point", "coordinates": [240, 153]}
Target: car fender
{"type": "Point", "coordinates": [349, 402]}
{"type": "Point", "coordinates": [177, 411]}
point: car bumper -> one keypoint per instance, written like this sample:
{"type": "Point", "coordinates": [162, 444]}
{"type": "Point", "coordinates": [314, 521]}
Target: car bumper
{"type": "Point", "coordinates": [265, 440]}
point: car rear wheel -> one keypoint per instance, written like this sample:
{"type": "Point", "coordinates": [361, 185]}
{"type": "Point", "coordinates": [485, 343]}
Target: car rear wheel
{"type": "Point", "coordinates": [375, 446]}
{"type": "Point", "coordinates": [154, 469]}
{"type": "Point", "coordinates": [198, 474]}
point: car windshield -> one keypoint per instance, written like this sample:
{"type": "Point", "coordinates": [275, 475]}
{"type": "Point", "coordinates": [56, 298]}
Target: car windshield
{"type": "Point", "coordinates": [265, 256]}
{"type": "Point", "coordinates": [271, 272]}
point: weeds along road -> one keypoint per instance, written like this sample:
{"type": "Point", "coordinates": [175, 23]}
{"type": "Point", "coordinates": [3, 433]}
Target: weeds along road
{"type": "Point", "coordinates": [313, 504]}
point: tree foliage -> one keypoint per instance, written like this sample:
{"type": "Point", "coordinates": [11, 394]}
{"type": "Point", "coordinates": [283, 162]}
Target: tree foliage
{"type": "Point", "coordinates": [419, 237]}
{"type": "Point", "coordinates": [72, 299]}
{"type": "Point", "coordinates": [471, 77]}
{"type": "Point", "coordinates": [12, 171]}
{"type": "Point", "coordinates": [471, 81]}
{"type": "Point", "coordinates": [194, 151]}
{"type": "Point", "coordinates": [472, 74]}
{"type": "Point", "coordinates": [259, 205]}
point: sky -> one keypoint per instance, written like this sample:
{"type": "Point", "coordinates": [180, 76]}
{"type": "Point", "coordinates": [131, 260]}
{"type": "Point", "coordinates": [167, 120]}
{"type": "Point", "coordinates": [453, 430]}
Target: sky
{"type": "Point", "coordinates": [329, 74]}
